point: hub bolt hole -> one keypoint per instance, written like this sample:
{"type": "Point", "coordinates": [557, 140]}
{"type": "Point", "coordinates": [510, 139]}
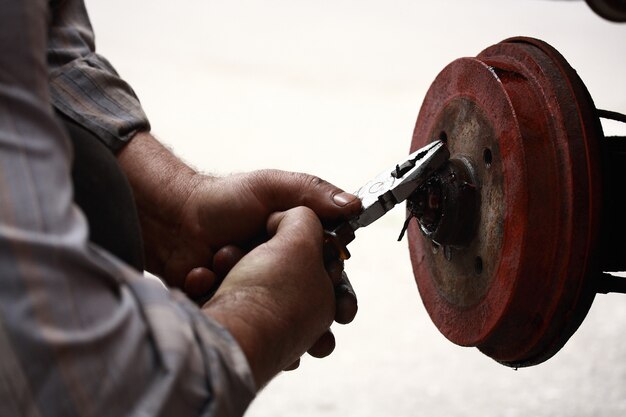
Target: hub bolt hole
{"type": "Point", "coordinates": [443, 137]}
{"type": "Point", "coordinates": [478, 265]}
{"type": "Point", "coordinates": [487, 157]}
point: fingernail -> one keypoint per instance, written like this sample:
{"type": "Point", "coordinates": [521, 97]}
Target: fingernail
{"type": "Point", "coordinates": [343, 199]}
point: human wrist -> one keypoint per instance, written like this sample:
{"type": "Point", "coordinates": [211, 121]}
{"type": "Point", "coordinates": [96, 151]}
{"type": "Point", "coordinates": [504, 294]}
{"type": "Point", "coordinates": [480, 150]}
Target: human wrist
{"type": "Point", "coordinates": [161, 184]}
{"type": "Point", "coordinates": [258, 330]}
{"type": "Point", "coordinates": [156, 175]}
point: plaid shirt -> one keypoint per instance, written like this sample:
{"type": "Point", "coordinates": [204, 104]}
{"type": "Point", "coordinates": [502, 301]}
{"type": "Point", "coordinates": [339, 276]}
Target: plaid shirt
{"type": "Point", "coordinates": [82, 334]}
{"type": "Point", "coordinates": [84, 85]}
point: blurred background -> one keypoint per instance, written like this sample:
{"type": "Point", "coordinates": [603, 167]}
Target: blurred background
{"type": "Point", "coordinates": [333, 88]}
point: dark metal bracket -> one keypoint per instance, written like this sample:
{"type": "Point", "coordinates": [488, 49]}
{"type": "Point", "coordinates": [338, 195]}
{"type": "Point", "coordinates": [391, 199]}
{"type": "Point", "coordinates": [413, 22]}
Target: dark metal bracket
{"type": "Point", "coordinates": [608, 283]}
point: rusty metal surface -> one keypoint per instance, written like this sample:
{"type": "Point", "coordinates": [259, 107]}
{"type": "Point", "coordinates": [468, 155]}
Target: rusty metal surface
{"type": "Point", "coordinates": [539, 212]}
{"type": "Point", "coordinates": [469, 132]}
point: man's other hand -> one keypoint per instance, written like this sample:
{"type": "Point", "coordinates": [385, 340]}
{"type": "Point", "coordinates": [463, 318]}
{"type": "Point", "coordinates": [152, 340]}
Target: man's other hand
{"type": "Point", "coordinates": [278, 300]}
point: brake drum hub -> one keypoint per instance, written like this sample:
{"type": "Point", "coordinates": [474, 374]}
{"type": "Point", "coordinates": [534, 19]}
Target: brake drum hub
{"type": "Point", "coordinates": [504, 253]}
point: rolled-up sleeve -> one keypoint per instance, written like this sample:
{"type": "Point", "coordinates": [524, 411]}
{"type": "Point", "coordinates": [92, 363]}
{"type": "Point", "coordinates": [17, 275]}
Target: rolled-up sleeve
{"type": "Point", "coordinates": [83, 84]}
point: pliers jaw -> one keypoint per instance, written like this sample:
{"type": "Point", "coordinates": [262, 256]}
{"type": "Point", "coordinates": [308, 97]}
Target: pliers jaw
{"type": "Point", "coordinates": [395, 185]}
{"type": "Point", "coordinates": [387, 190]}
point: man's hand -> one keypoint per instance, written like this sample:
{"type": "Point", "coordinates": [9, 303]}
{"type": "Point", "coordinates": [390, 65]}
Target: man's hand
{"type": "Point", "coordinates": [233, 210]}
{"type": "Point", "coordinates": [187, 217]}
{"type": "Point", "coordinates": [197, 228]}
{"type": "Point", "coordinates": [278, 299]}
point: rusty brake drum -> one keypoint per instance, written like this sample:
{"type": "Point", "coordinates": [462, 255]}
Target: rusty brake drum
{"type": "Point", "coordinates": [504, 253]}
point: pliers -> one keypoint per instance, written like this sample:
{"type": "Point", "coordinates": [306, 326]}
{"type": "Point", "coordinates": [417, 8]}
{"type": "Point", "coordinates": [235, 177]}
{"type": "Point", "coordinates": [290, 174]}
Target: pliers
{"type": "Point", "coordinates": [384, 192]}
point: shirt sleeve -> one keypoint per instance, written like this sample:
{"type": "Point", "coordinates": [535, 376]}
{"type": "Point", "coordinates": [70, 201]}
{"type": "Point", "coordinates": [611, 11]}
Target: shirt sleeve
{"type": "Point", "coordinates": [82, 334]}
{"type": "Point", "coordinates": [83, 84]}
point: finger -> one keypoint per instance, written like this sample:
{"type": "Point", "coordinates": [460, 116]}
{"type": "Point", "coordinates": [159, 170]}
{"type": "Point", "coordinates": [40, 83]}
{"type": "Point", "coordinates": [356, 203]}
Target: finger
{"type": "Point", "coordinates": [324, 346]}
{"type": "Point", "coordinates": [282, 190]}
{"type": "Point", "coordinates": [345, 301]}
{"type": "Point", "coordinates": [293, 366]}
{"type": "Point", "coordinates": [273, 222]}
{"type": "Point", "coordinates": [199, 281]}
{"type": "Point", "coordinates": [298, 221]}
{"type": "Point", "coordinates": [335, 270]}
{"type": "Point", "coordinates": [296, 245]}
{"type": "Point", "coordinates": [225, 259]}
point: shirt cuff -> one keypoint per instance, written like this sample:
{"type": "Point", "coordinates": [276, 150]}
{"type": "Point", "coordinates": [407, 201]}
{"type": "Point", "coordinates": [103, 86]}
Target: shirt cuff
{"type": "Point", "coordinates": [89, 91]}
{"type": "Point", "coordinates": [202, 369]}
{"type": "Point", "coordinates": [229, 370]}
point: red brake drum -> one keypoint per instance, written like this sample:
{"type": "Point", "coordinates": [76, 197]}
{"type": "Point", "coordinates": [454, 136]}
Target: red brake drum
{"type": "Point", "coordinates": [522, 122]}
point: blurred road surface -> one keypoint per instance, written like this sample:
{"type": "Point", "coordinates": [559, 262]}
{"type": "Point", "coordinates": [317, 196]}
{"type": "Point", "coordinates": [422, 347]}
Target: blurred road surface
{"type": "Point", "coordinates": [333, 88]}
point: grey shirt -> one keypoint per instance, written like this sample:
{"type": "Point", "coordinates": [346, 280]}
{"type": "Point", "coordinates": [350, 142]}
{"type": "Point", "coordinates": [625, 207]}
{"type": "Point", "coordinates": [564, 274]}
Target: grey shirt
{"type": "Point", "coordinates": [82, 334]}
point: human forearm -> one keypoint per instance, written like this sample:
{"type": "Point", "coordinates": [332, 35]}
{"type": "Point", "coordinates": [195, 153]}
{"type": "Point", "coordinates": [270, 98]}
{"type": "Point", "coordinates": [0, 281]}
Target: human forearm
{"type": "Point", "coordinates": [161, 184]}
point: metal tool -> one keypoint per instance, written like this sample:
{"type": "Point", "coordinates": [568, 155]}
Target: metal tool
{"type": "Point", "coordinates": [384, 192]}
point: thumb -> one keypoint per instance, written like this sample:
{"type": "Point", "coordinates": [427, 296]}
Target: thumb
{"type": "Point", "coordinates": [296, 223]}
{"type": "Point", "coordinates": [283, 190]}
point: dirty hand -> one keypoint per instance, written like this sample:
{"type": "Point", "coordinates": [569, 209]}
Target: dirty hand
{"type": "Point", "coordinates": [186, 216]}
{"type": "Point", "coordinates": [345, 299]}
{"type": "Point", "coordinates": [232, 211]}
{"type": "Point", "coordinates": [197, 229]}
{"type": "Point", "coordinates": [191, 222]}
{"type": "Point", "coordinates": [225, 217]}
{"type": "Point", "coordinates": [278, 299]}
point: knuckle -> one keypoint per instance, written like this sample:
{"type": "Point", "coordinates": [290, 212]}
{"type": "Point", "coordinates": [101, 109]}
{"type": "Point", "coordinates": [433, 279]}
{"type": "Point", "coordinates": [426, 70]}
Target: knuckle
{"type": "Point", "coordinates": [313, 182]}
{"type": "Point", "coordinates": [265, 178]}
